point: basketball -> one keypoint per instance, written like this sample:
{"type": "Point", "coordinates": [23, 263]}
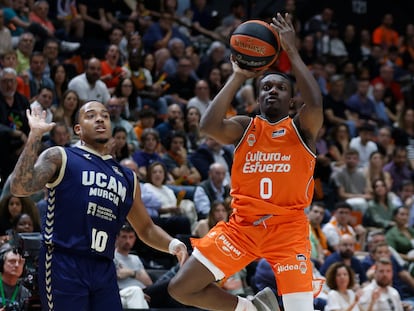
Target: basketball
{"type": "Point", "coordinates": [255, 45]}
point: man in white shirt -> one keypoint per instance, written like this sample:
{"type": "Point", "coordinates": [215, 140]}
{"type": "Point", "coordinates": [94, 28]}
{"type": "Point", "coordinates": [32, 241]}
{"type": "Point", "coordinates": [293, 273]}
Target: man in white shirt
{"type": "Point", "coordinates": [379, 295]}
{"type": "Point", "coordinates": [88, 86]}
{"type": "Point", "coordinates": [132, 276]}
{"type": "Point", "coordinates": [364, 144]}
{"type": "Point", "coordinates": [201, 100]}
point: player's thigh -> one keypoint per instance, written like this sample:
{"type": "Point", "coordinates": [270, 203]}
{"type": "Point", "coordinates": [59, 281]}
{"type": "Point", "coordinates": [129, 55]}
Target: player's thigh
{"type": "Point", "coordinates": [289, 256]}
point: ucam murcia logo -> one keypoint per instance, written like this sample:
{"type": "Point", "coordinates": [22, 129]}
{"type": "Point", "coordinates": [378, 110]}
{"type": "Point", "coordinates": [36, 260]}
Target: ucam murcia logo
{"type": "Point", "coordinates": [278, 133]}
{"type": "Point", "coordinates": [227, 248]}
{"type": "Point", "coordinates": [302, 267]}
{"type": "Point", "coordinates": [251, 140]}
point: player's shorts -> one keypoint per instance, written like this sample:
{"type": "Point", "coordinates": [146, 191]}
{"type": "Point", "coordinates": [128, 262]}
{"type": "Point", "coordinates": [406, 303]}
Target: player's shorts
{"type": "Point", "coordinates": [229, 247]}
{"type": "Point", "coordinates": [74, 282]}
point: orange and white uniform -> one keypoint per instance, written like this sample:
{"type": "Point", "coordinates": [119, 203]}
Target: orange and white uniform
{"type": "Point", "coordinates": [272, 184]}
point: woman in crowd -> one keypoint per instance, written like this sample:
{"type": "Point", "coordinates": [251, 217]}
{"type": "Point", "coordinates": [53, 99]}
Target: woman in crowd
{"type": "Point", "coordinates": [11, 207]}
{"type": "Point", "coordinates": [148, 152]}
{"type": "Point", "coordinates": [340, 279]}
{"type": "Point", "coordinates": [192, 128]}
{"type": "Point", "coordinates": [59, 77]}
{"type": "Point", "coordinates": [161, 202]}
{"type": "Point", "coordinates": [401, 236]}
{"type": "Point", "coordinates": [338, 144]}
{"type": "Point", "coordinates": [120, 149]}
{"type": "Point", "coordinates": [219, 211]}
{"type": "Point", "coordinates": [177, 160]}
{"type": "Point", "coordinates": [374, 170]}
{"type": "Point", "coordinates": [381, 207]}
{"type": "Point", "coordinates": [66, 112]}
{"type": "Point", "coordinates": [127, 92]}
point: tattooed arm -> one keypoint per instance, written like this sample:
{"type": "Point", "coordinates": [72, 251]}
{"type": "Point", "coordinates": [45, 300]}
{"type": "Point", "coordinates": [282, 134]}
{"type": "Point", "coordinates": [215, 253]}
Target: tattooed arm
{"type": "Point", "coordinates": [31, 172]}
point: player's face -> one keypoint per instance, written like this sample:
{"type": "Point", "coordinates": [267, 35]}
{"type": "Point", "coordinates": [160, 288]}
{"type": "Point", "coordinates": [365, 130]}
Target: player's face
{"type": "Point", "coordinates": [94, 123]}
{"type": "Point", "coordinates": [274, 96]}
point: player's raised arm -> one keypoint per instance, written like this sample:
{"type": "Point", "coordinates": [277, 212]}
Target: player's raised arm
{"type": "Point", "coordinates": [311, 114]}
{"type": "Point", "coordinates": [31, 172]}
{"type": "Point", "coordinates": [214, 122]}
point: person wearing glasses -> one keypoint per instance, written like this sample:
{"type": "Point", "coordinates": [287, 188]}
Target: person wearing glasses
{"type": "Point", "coordinates": [14, 295]}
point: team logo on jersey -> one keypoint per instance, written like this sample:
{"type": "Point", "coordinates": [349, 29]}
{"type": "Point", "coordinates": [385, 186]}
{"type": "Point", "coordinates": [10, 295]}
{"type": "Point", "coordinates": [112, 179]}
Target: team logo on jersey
{"type": "Point", "coordinates": [226, 246]}
{"type": "Point", "coordinates": [87, 156]}
{"type": "Point", "coordinates": [251, 140]}
{"type": "Point", "coordinates": [300, 257]}
{"type": "Point", "coordinates": [278, 133]}
{"type": "Point", "coordinates": [117, 171]}
{"type": "Point", "coordinates": [302, 267]}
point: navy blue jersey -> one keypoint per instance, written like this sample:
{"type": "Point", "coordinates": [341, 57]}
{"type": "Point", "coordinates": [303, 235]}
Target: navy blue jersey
{"type": "Point", "coordinates": [88, 203]}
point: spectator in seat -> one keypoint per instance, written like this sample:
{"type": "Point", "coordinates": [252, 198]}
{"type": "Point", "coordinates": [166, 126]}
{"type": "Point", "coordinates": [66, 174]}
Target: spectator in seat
{"type": "Point", "coordinates": [177, 161]}
{"type": "Point", "coordinates": [88, 86]}
{"type": "Point", "coordinates": [209, 152]}
{"type": "Point", "coordinates": [132, 276]}
{"type": "Point", "coordinates": [379, 294]}
{"type": "Point", "coordinates": [210, 190]}
{"type": "Point", "coordinates": [115, 106]}
{"type": "Point", "coordinates": [399, 168]}
{"type": "Point", "coordinates": [148, 153]}
{"type": "Point", "coordinates": [346, 254]}
{"type": "Point", "coordinates": [339, 224]}
{"type": "Point", "coordinates": [12, 290]}
{"type": "Point", "coordinates": [14, 126]}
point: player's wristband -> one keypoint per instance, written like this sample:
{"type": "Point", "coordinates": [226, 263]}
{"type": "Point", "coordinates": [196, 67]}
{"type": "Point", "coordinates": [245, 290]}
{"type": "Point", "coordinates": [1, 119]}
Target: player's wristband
{"type": "Point", "coordinates": [173, 244]}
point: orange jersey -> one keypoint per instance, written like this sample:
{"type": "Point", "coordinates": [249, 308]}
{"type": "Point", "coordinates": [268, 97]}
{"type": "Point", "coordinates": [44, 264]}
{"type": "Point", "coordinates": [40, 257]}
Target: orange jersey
{"type": "Point", "coordinates": [272, 171]}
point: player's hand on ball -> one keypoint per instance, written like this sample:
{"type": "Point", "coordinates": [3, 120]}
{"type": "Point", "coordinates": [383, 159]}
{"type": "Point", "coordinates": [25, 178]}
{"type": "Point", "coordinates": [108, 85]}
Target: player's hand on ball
{"type": "Point", "coordinates": [246, 73]}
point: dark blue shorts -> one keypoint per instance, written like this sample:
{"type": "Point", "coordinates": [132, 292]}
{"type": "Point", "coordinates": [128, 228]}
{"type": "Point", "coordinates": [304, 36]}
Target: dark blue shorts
{"type": "Point", "coordinates": [73, 282]}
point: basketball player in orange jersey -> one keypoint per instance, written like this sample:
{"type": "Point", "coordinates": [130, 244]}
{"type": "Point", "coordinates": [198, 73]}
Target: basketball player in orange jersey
{"type": "Point", "coordinates": [272, 184]}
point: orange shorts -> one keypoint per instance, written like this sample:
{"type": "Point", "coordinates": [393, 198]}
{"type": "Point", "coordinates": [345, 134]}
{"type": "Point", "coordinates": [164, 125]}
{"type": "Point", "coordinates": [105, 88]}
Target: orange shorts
{"type": "Point", "coordinates": [231, 246]}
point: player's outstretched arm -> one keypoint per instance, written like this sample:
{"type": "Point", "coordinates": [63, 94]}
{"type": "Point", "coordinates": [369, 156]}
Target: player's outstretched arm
{"type": "Point", "coordinates": [151, 234]}
{"type": "Point", "coordinates": [31, 172]}
{"type": "Point", "coordinates": [311, 114]}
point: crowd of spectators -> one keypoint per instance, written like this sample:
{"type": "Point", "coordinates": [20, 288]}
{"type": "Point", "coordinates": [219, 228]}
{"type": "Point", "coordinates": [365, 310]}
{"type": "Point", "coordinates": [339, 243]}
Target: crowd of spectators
{"type": "Point", "coordinates": [157, 67]}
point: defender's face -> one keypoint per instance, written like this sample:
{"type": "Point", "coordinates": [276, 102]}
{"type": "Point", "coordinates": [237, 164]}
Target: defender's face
{"type": "Point", "coordinates": [94, 123]}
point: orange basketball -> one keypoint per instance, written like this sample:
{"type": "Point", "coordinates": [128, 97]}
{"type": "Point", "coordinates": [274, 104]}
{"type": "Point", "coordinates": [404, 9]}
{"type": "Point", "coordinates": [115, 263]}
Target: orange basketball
{"type": "Point", "coordinates": [255, 45]}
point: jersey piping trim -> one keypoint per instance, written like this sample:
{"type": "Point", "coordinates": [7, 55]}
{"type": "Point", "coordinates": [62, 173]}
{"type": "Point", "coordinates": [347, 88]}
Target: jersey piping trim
{"type": "Point", "coordinates": [301, 140]}
{"type": "Point", "coordinates": [273, 123]}
{"type": "Point", "coordinates": [90, 150]}
{"type": "Point", "coordinates": [244, 135]}
{"type": "Point", "coordinates": [62, 169]}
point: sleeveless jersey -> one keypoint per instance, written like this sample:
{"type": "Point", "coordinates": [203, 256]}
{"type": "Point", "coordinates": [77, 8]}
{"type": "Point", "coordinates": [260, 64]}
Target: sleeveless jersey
{"type": "Point", "coordinates": [88, 203]}
{"type": "Point", "coordinates": [272, 171]}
